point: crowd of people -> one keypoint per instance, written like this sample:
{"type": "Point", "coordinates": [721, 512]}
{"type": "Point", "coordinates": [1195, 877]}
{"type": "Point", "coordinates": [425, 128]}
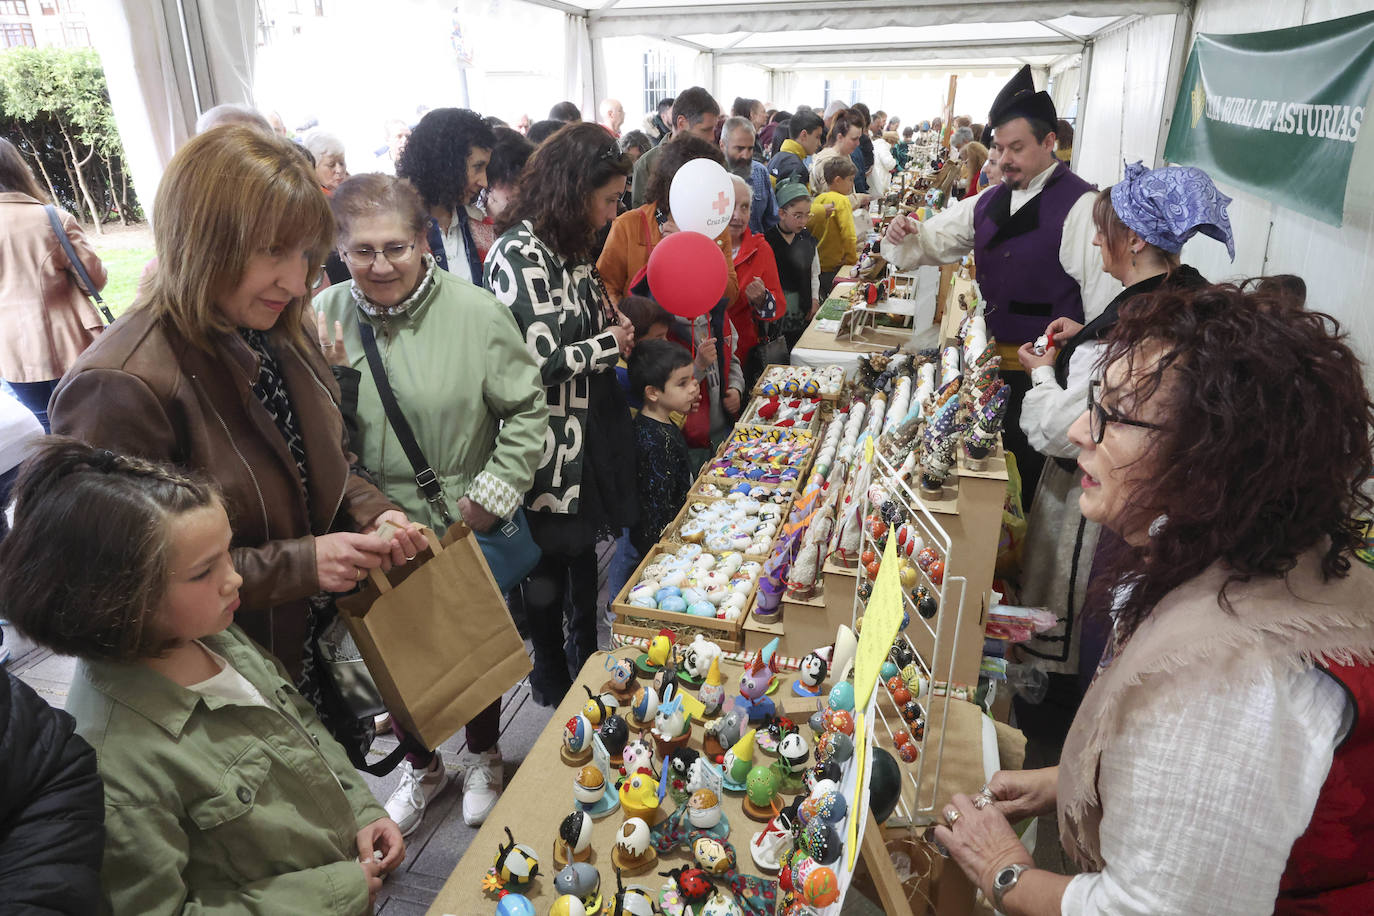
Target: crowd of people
{"type": "Point", "coordinates": [227, 463]}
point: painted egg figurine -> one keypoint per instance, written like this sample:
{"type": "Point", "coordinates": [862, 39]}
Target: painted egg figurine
{"type": "Point", "coordinates": [813, 671]}
{"type": "Point", "coordinates": [712, 855]}
{"type": "Point", "coordinates": [703, 809]}
{"type": "Point", "coordinates": [567, 905]}
{"type": "Point", "coordinates": [578, 879]}
{"type": "Point", "coordinates": [761, 785]}
{"type": "Point", "coordinates": [659, 647]}
{"type": "Point", "coordinates": [644, 706]}
{"type": "Point", "coordinates": [577, 734]}
{"type": "Point", "coordinates": [590, 785]}
{"type": "Point", "coordinates": [842, 696]}
{"type": "Point", "coordinates": [794, 752]}
{"type": "Point", "coordinates": [620, 670]}
{"type": "Point", "coordinates": [614, 733]}
{"type": "Point", "coordinates": [516, 863]}
{"type": "Point", "coordinates": [638, 754]}
{"type": "Point", "coordinates": [576, 831]}
{"type": "Point", "coordinates": [671, 722]}
{"type": "Point", "coordinates": [719, 906]}
{"type": "Point", "coordinates": [633, 837]}
{"type": "Point", "coordinates": [820, 887]}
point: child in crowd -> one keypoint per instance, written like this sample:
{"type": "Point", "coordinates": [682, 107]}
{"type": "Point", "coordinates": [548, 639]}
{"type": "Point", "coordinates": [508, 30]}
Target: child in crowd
{"type": "Point", "coordinates": [223, 791]}
{"type": "Point", "coordinates": [651, 322]}
{"type": "Point", "coordinates": [794, 250]}
{"type": "Point", "coordinates": [832, 221]}
{"type": "Point", "coordinates": [662, 373]}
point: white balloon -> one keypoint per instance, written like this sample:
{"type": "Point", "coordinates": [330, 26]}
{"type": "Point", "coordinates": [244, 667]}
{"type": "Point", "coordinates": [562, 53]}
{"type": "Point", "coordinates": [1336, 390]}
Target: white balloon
{"type": "Point", "coordinates": [702, 197]}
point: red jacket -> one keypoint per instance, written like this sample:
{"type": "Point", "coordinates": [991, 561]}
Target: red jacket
{"type": "Point", "coordinates": [755, 260]}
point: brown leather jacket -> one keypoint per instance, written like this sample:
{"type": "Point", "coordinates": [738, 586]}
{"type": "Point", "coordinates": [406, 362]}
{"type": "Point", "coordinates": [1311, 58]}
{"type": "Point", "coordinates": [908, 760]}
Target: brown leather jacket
{"type": "Point", "coordinates": [143, 389]}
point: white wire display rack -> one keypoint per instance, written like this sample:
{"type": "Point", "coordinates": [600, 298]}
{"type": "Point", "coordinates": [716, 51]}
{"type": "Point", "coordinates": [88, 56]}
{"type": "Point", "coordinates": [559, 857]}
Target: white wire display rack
{"type": "Point", "coordinates": [933, 644]}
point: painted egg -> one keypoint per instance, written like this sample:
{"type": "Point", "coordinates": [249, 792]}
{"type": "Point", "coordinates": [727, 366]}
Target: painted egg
{"type": "Point", "coordinates": [673, 603]}
{"type": "Point", "coordinates": [842, 696]}
{"type": "Point", "coordinates": [577, 734]}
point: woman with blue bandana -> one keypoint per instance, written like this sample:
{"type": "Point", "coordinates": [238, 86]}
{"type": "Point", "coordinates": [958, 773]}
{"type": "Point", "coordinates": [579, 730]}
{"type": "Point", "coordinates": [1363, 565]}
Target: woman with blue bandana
{"type": "Point", "coordinates": [1142, 223]}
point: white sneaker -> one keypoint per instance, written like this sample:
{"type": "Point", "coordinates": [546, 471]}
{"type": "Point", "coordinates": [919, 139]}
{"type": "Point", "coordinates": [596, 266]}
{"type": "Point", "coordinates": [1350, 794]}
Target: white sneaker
{"type": "Point", "coordinates": [482, 784]}
{"type": "Point", "coordinates": [406, 806]}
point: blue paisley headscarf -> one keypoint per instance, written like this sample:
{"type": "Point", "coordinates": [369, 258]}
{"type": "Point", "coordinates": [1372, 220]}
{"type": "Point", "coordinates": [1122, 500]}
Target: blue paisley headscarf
{"type": "Point", "coordinates": [1166, 207]}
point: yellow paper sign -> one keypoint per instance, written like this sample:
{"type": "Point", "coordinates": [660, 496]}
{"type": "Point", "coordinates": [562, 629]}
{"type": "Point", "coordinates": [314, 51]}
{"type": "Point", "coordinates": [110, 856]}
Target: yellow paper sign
{"type": "Point", "coordinates": [882, 621]}
{"type": "Point", "coordinates": [693, 707]}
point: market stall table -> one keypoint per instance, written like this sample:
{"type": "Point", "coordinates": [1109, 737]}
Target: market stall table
{"type": "Point", "coordinates": [540, 795]}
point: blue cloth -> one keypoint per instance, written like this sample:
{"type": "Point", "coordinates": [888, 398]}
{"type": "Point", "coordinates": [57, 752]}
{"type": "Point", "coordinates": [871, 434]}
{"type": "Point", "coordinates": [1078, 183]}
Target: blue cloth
{"type": "Point", "coordinates": [763, 213]}
{"type": "Point", "coordinates": [860, 173]}
{"type": "Point", "coordinates": [1166, 207]}
{"type": "Point", "coordinates": [435, 237]}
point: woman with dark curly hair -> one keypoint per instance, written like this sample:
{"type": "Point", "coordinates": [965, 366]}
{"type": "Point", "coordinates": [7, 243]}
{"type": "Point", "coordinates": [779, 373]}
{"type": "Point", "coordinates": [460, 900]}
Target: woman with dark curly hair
{"type": "Point", "coordinates": [1221, 761]}
{"type": "Point", "coordinates": [509, 154]}
{"type": "Point", "coordinates": [446, 160]}
{"type": "Point", "coordinates": [542, 269]}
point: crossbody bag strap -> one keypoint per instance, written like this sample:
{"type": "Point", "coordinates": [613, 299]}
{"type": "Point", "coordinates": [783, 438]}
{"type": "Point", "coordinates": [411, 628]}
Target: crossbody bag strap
{"type": "Point", "coordinates": [425, 478]}
{"type": "Point", "coordinates": [83, 278]}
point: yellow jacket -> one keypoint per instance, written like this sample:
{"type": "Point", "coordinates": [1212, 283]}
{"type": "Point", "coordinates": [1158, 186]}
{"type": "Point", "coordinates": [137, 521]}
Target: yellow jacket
{"type": "Point", "coordinates": [837, 244]}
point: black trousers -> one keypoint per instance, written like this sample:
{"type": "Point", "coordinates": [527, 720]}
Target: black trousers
{"type": "Point", "coordinates": [1028, 461]}
{"type": "Point", "coordinates": [562, 587]}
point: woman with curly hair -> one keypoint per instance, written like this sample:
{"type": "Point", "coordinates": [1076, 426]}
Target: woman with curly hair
{"type": "Point", "coordinates": [446, 160]}
{"type": "Point", "coordinates": [1221, 761]}
{"type": "Point", "coordinates": [542, 268]}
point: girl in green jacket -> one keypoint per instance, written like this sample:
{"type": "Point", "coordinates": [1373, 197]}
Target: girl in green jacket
{"type": "Point", "coordinates": [223, 791]}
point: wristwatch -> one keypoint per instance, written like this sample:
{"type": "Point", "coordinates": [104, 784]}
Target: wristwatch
{"type": "Point", "coordinates": [1004, 881]}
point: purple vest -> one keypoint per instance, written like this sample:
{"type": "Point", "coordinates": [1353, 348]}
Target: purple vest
{"type": "Point", "coordinates": [1017, 256]}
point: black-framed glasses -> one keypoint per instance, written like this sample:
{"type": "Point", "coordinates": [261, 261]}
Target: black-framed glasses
{"type": "Point", "coordinates": [1099, 416]}
{"type": "Point", "coordinates": [366, 257]}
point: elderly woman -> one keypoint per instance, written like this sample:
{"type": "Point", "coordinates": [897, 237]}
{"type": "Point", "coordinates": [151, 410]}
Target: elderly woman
{"type": "Point", "coordinates": [471, 394]}
{"type": "Point", "coordinates": [1142, 223]}
{"type": "Point", "coordinates": [213, 369]}
{"type": "Point", "coordinates": [328, 152]}
{"type": "Point", "coordinates": [1219, 762]}
{"type": "Point", "coordinates": [541, 269]}
{"type": "Point", "coordinates": [446, 160]}
{"type": "Point", "coordinates": [760, 302]}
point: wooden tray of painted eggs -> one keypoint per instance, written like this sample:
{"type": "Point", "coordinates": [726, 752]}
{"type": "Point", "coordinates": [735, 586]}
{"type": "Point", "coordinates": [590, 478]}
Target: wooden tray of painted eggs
{"type": "Point", "coordinates": [687, 585]}
{"type": "Point", "coordinates": [785, 411]}
{"type": "Point", "coordinates": [780, 493]}
{"type": "Point", "coordinates": [742, 524]}
{"type": "Point", "coordinates": [766, 454]}
{"type": "Point", "coordinates": [824, 382]}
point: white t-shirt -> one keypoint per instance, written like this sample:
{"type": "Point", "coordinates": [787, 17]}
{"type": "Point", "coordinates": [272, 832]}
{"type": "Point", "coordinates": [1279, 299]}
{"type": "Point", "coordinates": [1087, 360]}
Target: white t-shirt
{"type": "Point", "coordinates": [228, 684]}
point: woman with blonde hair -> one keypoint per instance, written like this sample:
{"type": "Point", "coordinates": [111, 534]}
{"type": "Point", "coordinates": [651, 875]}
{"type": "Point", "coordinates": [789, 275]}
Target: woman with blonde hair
{"type": "Point", "coordinates": [213, 370]}
{"type": "Point", "coordinates": [971, 157]}
{"type": "Point", "coordinates": [47, 320]}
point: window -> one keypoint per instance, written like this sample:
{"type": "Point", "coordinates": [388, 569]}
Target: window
{"type": "Point", "coordinates": [319, 7]}
{"type": "Point", "coordinates": [14, 8]}
{"type": "Point", "coordinates": [660, 79]}
{"type": "Point", "coordinates": [74, 35]}
{"type": "Point", "coordinates": [18, 35]}
{"type": "Point", "coordinates": [846, 91]}
{"type": "Point", "coordinates": [47, 7]}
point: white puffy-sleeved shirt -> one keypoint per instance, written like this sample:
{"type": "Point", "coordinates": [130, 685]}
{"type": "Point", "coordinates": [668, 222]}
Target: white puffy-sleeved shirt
{"type": "Point", "coordinates": [1047, 411]}
{"type": "Point", "coordinates": [948, 236]}
{"type": "Point", "coordinates": [1202, 801]}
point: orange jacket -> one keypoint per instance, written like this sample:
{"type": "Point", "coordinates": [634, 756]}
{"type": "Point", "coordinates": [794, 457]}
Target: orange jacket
{"type": "Point", "coordinates": [627, 251]}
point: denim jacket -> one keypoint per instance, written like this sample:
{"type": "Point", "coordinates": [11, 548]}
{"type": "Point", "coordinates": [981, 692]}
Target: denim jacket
{"type": "Point", "coordinates": [211, 806]}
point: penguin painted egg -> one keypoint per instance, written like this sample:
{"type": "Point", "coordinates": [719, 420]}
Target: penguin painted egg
{"type": "Point", "coordinates": [703, 809]}
{"type": "Point", "coordinates": [576, 831]}
{"type": "Point", "coordinates": [589, 786]}
{"type": "Point", "coordinates": [577, 734]}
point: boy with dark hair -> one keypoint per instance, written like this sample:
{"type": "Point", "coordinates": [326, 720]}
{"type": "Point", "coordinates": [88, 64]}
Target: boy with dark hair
{"type": "Point", "coordinates": [807, 134]}
{"type": "Point", "coordinates": [662, 374]}
{"type": "Point", "coordinates": [832, 220]}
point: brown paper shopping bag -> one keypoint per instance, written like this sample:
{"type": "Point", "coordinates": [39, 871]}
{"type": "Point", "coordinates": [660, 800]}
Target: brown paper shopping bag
{"type": "Point", "coordinates": [437, 637]}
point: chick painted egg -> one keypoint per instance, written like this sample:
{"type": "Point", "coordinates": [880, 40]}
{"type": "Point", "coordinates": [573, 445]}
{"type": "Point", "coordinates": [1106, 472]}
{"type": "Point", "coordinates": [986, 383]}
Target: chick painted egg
{"type": "Point", "coordinates": [703, 809]}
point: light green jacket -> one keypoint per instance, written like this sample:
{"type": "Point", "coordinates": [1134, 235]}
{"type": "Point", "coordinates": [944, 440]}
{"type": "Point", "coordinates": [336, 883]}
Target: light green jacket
{"type": "Point", "coordinates": [217, 807]}
{"type": "Point", "coordinates": [465, 383]}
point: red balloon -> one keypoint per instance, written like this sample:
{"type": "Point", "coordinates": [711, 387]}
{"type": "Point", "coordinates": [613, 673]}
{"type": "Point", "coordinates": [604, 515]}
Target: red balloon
{"type": "Point", "coordinates": [687, 274]}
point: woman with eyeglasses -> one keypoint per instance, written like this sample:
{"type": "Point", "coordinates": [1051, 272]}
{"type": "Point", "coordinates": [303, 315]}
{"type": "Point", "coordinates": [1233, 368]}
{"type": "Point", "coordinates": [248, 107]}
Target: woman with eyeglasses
{"type": "Point", "coordinates": [543, 268]}
{"type": "Point", "coordinates": [1223, 759]}
{"type": "Point", "coordinates": [1142, 222]}
{"type": "Point", "coordinates": [213, 369]}
{"type": "Point", "coordinates": [471, 394]}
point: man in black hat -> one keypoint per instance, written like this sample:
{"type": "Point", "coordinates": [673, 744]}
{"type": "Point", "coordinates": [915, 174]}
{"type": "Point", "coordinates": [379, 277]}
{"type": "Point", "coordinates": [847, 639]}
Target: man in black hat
{"type": "Point", "coordinates": [1032, 241]}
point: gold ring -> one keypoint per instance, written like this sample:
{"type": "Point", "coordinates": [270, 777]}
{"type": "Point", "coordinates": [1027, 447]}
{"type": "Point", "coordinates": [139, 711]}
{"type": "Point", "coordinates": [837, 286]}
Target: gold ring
{"type": "Point", "coordinates": [362, 573]}
{"type": "Point", "coordinates": [408, 559]}
{"type": "Point", "coordinates": [951, 815]}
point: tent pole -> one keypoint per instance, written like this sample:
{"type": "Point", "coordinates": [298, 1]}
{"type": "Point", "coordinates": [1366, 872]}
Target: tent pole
{"type": "Point", "coordinates": [1178, 62]}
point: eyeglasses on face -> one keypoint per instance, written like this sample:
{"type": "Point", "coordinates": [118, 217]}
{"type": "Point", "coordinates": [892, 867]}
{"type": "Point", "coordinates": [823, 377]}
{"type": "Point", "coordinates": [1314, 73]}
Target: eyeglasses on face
{"type": "Point", "coordinates": [366, 257]}
{"type": "Point", "coordinates": [1099, 416]}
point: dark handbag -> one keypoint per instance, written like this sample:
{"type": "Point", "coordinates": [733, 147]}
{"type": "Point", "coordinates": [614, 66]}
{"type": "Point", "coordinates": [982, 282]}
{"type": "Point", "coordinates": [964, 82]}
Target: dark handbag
{"type": "Point", "coordinates": [83, 279]}
{"type": "Point", "coordinates": [509, 549]}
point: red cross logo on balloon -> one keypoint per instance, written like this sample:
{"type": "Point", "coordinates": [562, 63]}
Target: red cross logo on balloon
{"type": "Point", "coordinates": [722, 203]}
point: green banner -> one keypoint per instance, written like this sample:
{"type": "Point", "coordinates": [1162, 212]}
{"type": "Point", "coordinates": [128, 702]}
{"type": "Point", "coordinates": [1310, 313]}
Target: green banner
{"type": "Point", "coordinates": [1278, 113]}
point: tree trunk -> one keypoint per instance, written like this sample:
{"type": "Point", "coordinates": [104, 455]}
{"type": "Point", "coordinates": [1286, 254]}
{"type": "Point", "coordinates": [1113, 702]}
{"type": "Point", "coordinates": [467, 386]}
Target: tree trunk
{"type": "Point", "coordinates": [38, 158]}
{"type": "Point", "coordinates": [109, 170]}
{"type": "Point", "coordinates": [124, 186]}
{"type": "Point", "coordinates": [78, 162]}
{"type": "Point", "coordinates": [78, 210]}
